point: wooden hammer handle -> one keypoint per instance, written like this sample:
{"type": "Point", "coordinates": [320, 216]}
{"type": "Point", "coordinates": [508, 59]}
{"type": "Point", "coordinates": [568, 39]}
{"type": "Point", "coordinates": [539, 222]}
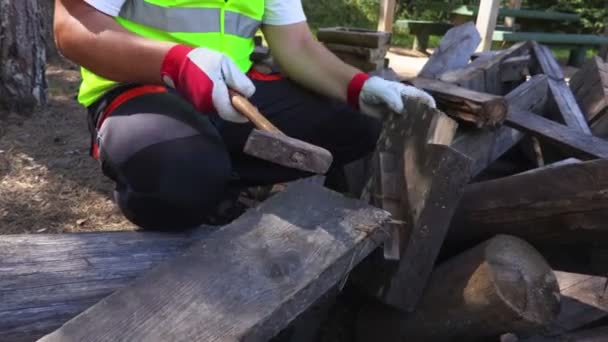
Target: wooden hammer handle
{"type": "Point", "coordinates": [246, 108]}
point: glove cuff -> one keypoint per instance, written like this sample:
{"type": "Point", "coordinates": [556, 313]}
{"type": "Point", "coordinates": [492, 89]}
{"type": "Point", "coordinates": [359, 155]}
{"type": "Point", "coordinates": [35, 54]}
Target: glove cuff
{"type": "Point", "coordinates": [172, 63]}
{"type": "Point", "coordinates": [354, 89]}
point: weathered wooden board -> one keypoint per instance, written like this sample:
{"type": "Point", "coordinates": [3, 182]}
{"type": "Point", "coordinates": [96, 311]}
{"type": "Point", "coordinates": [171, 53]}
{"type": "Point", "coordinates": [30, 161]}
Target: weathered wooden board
{"type": "Point", "coordinates": [583, 301]}
{"type": "Point", "coordinates": [484, 74]}
{"type": "Point", "coordinates": [367, 54]}
{"type": "Point", "coordinates": [502, 285]}
{"type": "Point", "coordinates": [563, 204]}
{"type": "Point", "coordinates": [544, 62]}
{"type": "Point", "coordinates": [45, 280]}
{"type": "Point", "coordinates": [572, 140]}
{"type": "Point", "coordinates": [485, 146]}
{"type": "Point", "coordinates": [244, 282]}
{"type": "Point", "coordinates": [354, 36]}
{"type": "Point", "coordinates": [563, 103]}
{"type": "Point", "coordinates": [454, 51]}
{"type": "Point", "coordinates": [590, 87]}
{"type": "Point", "coordinates": [427, 178]}
{"type": "Point", "coordinates": [514, 68]}
{"type": "Point", "coordinates": [482, 109]}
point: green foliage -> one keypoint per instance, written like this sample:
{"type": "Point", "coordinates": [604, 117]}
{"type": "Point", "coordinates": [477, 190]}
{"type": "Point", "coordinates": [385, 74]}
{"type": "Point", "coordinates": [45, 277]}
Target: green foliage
{"type": "Point", "coordinates": [594, 13]}
{"type": "Point", "coordinates": [352, 13]}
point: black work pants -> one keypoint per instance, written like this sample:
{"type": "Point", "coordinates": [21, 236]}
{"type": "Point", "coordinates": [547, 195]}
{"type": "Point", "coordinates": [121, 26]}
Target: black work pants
{"type": "Point", "coordinates": [172, 164]}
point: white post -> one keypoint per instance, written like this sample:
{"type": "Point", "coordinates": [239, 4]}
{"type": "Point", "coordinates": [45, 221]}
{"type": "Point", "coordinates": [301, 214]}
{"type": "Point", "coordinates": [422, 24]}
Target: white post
{"type": "Point", "coordinates": [387, 15]}
{"type": "Point", "coordinates": [486, 22]}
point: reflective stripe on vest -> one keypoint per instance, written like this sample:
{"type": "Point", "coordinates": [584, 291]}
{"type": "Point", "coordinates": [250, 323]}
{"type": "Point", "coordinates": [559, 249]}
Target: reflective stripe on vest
{"type": "Point", "coordinates": [226, 26]}
{"type": "Point", "coordinates": [188, 19]}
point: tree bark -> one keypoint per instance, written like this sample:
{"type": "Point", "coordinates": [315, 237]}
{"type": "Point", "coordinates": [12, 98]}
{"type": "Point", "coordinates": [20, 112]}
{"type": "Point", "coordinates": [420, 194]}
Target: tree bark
{"type": "Point", "coordinates": [22, 55]}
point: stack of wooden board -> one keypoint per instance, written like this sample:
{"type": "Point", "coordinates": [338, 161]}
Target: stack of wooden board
{"type": "Point", "coordinates": [364, 49]}
{"type": "Point", "coordinates": [590, 87]}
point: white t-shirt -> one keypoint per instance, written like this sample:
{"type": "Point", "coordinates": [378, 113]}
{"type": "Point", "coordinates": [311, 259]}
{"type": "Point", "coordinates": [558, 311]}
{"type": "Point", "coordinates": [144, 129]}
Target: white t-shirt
{"type": "Point", "coordinates": [277, 12]}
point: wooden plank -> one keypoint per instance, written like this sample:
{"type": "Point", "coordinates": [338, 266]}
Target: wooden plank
{"type": "Point", "coordinates": [579, 144]}
{"type": "Point", "coordinates": [486, 22]}
{"type": "Point", "coordinates": [539, 206]}
{"type": "Point", "coordinates": [484, 74]}
{"type": "Point", "coordinates": [354, 36]}
{"type": "Point", "coordinates": [274, 262]}
{"type": "Point", "coordinates": [502, 285]}
{"type": "Point", "coordinates": [426, 186]}
{"type": "Point", "coordinates": [454, 51]}
{"type": "Point", "coordinates": [514, 68]}
{"type": "Point", "coordinates": [47, 279]}
{"type": "Point", "coordinates": [545, 62]}
{"type": "Point", "coordinates": [583, 303]}
{"type": "Point", "coordinates": [362, 52]}
{"type": "Point", "coordinates": [590, 87]}
{"type": "Point", "coordinates": [482, 109]}
{"type": "Point", "coordinates": [386, 15]}
{"type": "Point", "coordinates": [562, 100]}
{"type": "Point", "coordinates": [485, 146]}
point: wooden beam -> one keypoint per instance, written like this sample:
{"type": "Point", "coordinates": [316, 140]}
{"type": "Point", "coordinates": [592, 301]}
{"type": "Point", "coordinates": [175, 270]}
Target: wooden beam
{"type": "Point", "coordinates": [482, 109]}
{"type": "Point", "coordinates": [48, 279]}
{"type": "Point", "coordinates": [354, 36]}
{"type": "Point", "coordinates": [583, 303]}
{"type": "Point", "coordinates": [485, 74]}
{"type": "Point", "coordinates": [422, 180]}
{"type": "Point", "coordinates": [539, 206]}
{"type": "Point", "coordinates": [563, 102]}
{"type": "Point", "coordinates": [454, 51]}
{"type": "Point", "coordinates": [545, 62]}
{"type": "Point", "coordinates": [246, 281]}
{"type": "Point", "coordinates": [579, 144]}
{"type": "Point", "coordinates": [502, 285]}
{"type": "Point", "coordinates": [486, 22]}
{"type": "Point", "coordinates": [386, 16]}
{"type": "Point", "coordinates": [485, 146]}
{"type": "Point", "coordinates": [515, 68]}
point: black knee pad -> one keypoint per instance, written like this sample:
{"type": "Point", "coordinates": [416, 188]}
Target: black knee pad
{"type": "Point", "coordinates": [174, 184]}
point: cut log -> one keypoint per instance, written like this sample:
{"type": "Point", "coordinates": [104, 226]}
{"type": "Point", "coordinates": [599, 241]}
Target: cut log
{"type": "Point", "coordinates": [563, 103]}
{"type": "Point", "coordinates": [484, 74]}
{"type": "Point", "coordinates": [422, 180]}
{"type": "Point", "coordinates": [246, 281]}
{"type": "Point", "coordinates": [502, 285]}
{"type": "Point", "coordinates": [47, 280]}
{"type": "Point", "coordinates": [574, 141]}
{"type": "Point", "coordinates": [454, 51]}
{"type": "Point", "coordinates": [485, 146]}
{"type": "Point", "coordinates": [560, 204]}
{"type": "Point", "coordinates": [354, 36]}
{"type": "Point", "coordinates": [544, 62]}
{"type": "Point", "coordinates": [583, 302]}
{"type": "Point", "coordinates": [484, 110]}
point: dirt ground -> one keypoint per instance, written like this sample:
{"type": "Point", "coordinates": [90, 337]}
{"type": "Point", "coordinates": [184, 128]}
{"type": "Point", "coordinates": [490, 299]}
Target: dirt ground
{"type": "Point", "coordinates": [48, 182]}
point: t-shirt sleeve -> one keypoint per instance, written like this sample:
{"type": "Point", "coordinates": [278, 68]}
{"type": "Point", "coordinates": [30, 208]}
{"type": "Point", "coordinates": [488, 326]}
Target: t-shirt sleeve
{"type": "Point", "coordinates": [283, 12]}
{"type": "Point", "coordinates": [109, 7]}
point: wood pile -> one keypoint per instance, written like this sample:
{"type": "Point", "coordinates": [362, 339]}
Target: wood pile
{"type": "Point", "coordinates": [590, 88]}
{"type": "Point", "coordinates": [365, 49]}
{"type": "Point", "coordinates": [499, 202]}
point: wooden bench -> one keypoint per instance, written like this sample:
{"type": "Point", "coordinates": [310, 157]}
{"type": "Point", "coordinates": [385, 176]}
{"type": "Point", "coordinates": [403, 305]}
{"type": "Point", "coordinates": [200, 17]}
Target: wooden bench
{"type": "Point", "coordinates": [468, 13]}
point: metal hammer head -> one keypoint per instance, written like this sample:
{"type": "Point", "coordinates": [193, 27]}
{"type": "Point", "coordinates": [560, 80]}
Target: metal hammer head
{"type": "Point", "coordinates": [281, 149]}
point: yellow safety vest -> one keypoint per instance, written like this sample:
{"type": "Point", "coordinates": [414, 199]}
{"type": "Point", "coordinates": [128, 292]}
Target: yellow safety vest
{"type": "Point", "coordinates": [227, 26]}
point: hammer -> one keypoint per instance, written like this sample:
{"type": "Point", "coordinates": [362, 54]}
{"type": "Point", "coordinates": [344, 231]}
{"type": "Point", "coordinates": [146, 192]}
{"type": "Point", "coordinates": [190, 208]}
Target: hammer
{"type": "Point", "coordinates": [268, 142]}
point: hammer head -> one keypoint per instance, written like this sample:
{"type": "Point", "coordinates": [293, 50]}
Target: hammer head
{"type": "Point", "coordinates": [283, 150]}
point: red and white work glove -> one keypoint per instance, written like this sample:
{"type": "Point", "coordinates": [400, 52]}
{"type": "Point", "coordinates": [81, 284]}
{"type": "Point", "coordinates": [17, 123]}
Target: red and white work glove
{"type": "Point", "coordinates": [203, 77]}
{"type": "Point", "coordinates": [372, 95]}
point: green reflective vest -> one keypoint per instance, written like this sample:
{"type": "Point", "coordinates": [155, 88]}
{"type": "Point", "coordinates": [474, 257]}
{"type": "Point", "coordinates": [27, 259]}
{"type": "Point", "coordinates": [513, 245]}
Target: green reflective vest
{"type": "Point", "coordinates": [227, 26]}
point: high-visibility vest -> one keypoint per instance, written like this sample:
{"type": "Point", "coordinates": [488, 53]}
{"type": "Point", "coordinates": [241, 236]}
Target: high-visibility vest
{"type": "Point", "coordinates": [228, 26]}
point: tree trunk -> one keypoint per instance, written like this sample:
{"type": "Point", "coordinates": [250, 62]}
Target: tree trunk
{"type": "Point", "coordinates": [47, 8]}
{"type": "Point", "coordinates": [22, 55]}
